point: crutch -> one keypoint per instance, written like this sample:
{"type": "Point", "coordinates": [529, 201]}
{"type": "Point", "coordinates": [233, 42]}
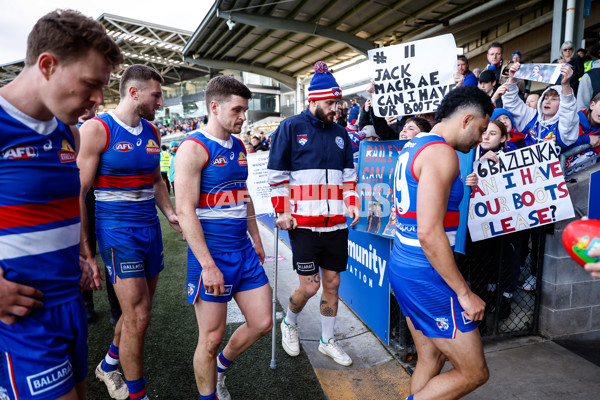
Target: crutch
{"type": "Point", "coordinates": [274, 330]}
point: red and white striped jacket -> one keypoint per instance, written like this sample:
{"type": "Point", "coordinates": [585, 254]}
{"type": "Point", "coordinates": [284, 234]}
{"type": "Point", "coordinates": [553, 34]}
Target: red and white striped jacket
{"type": "Point", "coordinates": [311, 172]}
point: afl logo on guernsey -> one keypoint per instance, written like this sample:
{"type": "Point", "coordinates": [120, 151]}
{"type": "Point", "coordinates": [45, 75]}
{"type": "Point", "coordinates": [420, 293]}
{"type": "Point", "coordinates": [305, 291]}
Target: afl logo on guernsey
{"type": "Point", "coordinates": [67, 154]}
{"type": "Point", "coordinates": [123, 146]}
{"type": "Point", "coordinates": [340, 142]}
{"type": "Point", "coordinates": [220, 161]}
{"type": "Point", "coordinates": [20, 153]}
{"type": "Point", "coordinates": [302, 139]}
{"type": "Point", "coordinates": [242, 160]}
{"type": "Point", "coordinates": [152, 147]}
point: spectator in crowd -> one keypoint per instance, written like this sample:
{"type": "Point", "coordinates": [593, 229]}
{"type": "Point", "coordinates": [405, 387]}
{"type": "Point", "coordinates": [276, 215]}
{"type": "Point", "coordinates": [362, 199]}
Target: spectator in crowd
{"type": "Point", "coordinates": [364, 117]}
{"type": "Point", "coordinates": [370, 134]}
{"type": "Point", "coordinates": [319, 240]}
{"type": "Point", "coordinates": [583, 55]}
{"type": "Point", "coordinates": [495, 60]}
{"type": "Point", "coordinates": [171, 174]}
{"type": "Point", "coordinates": [532, 100]}
{"type": "Point", "coordinates": [340, 117]}
{"type": "Point", "coordinates": [515, 139]}
{"type": "Point", "coordinates": [516, 56]}
{"type": "Point", "coordinates": [487, 83]}
{"type": "Point", "coordinates": [257, 144]}
{"type": "Point", "coordinates": [589, 85]}
{"type": "Point", "coordinates": [264, 140]}
{"type": "Point", "coordinates": [413, 126]}
{"type": "Point", "coordinates": [468, 77]}
{"type": "Point", "coordinates": [477, 72]}
{"type": "Point", "coordinates": [249, 148]}
{"type": "Point", "coordinates": [589, 126]}
{"type": "Point", "coordinates": [43, 329]}
{"type": "Point", "coordinates": [568, 55]}
{"type": "Point", "coordinates": [165, 161]}
{"type": "Point", "coordinates": [353, 111]}
{"type": "Point", "coordinates": [387, 128]}
{"type": "Point", "coordinates": [556, 115]}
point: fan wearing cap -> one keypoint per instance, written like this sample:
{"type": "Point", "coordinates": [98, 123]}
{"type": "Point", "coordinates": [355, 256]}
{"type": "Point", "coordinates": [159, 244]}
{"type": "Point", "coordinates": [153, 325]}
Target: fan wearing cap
{"type": "Point", "coordinates": [313, 188]}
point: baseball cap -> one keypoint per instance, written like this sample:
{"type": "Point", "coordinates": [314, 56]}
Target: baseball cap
{"type": "Point", "coordinates": [487, 76]}
{"type": "Point", "coordinates": [369, 131]}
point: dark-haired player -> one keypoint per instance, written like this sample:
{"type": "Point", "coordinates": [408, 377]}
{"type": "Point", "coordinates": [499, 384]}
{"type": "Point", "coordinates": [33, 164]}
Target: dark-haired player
{"type": "Point", "coordinates": [120, 154]}
{"type": "Point", "coordinates": [217, 215]}
{"type": "Point", "coordinates": [43, 329]}
{"type": "Point", "coordinates": [440, 308]}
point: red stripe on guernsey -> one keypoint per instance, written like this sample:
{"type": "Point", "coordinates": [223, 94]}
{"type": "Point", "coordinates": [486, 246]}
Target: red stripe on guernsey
{"type": "Point", "coordinates": [11, 376]}
{"type": "Point", "coordinates": [319, 220]}
{"type": "Point", "coordinates": [223, 198]}
{"type": "Point", "coordinates": [316, 192]}
{"type": "Point", "coordinates": [453, 318]}
{"type": "Point", "coordinates": [113, 181]}
{"type": "Point", "coordinates": [451, 219]}
{"type": "Point", "coordinates": [155, 131]}
{"type": "Point", "coordinates": [205, 148]}
{"type": "Point", "coordinates": [281, 203]}
{"type": "Point", "coordinates": [412, 164]}
{"type": "Point", "coordinates": [138, 395]}
{"type": "Point", "coordinates": [107, 133]}
{"type": "Point", "coordinates": [37, 214]}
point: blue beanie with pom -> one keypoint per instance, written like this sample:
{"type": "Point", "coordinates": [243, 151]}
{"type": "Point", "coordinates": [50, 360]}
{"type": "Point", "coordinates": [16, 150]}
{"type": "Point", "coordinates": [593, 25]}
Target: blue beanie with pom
{"type": "Point", "coordinates": [323, 85]}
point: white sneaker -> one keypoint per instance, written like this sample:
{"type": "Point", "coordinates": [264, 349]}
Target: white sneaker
{"type": "Point", "coordinates": [333, 350]}
{"type": "Point", "coordinates": [117, 389]}
{"type": "Point", "coordinates": [289, 338]}
{"type": "Point", "coordinates": [530, 284]}
{"type": "Point", "coordinates": [222, 392]}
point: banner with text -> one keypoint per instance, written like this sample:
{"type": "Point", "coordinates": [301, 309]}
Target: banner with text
{"type": "Point", "coordinates": [413, 77]}
{"type": "Point", "coordinates": [525, 189]}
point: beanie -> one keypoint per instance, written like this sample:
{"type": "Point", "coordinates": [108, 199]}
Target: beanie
{"type": "Point", "coordinates": [323, 85]}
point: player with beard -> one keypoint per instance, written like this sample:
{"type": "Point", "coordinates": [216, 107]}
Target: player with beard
{"type": "Point", "coordinates": [313, 183]}
{"type": "Point", "coordinates": [120, 153]}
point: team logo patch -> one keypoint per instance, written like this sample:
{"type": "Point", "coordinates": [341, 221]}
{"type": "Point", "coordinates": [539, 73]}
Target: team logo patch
{"type": "Point", "coordinates": [340, 142]}
{"type": "Point", "coordinates": [152, 147]}
{"type": "Point", "coordinates": [442, 324]}
{"type": "Point", "coordinates": [242, 160]}
{"type": "Point", "coordinates": [20, 153]}
{"type": "Point", "coordinates": [67, 153]}
{"type": "Point", "coordinates": [465, 319]}
{"type": "Point", "coordinates": [123, 146]}
{"type": "Point", "coordinates": [228, 290]}
{"type": "Point", "coordinates": [139, 142]}
{"type": "Point", "coordinates": [337, 92]}
{"type": "Point", "coordinates": [50, 378]}
{"type": "Point", "coordinates": [308, 266]}
{"type": "Point", "coordinates": [191, 288]}
{"type": "Point", "coordinates": [132, 266]}
{"type": "Point", "coordinates": [231, 156]}
{"type": "Point", "coordinates": [220, 161]}
{"type": "Point", "coordinates": [302, 139]}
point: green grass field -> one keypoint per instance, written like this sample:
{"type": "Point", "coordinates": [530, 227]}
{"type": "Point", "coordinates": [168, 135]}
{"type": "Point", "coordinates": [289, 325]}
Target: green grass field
{"type": "Point", "coordinates": [171, 341]}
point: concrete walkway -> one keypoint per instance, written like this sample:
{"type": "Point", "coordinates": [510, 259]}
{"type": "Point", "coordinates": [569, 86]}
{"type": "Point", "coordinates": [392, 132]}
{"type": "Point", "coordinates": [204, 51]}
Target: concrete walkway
{"type": "Point", "coordinates": [527, 368]}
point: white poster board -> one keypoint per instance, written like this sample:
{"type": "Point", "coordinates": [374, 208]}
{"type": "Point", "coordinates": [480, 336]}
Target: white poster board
{"type": "Point", "coordinates": [257, 183]}
{"type": "Point", "coordinates": [547, 73]}
{"type": "Point", "coordinates": [525, 189]}
{"type": "Point", "coordinates": [413, 77]}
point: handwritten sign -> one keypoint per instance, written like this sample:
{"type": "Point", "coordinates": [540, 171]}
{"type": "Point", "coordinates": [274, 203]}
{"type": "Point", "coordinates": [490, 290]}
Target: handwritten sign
{"type": "Point", "coordinates": [413, 77]}
{"type": "Point", "coordinates": [547, 73]}
{"type": "Point", "coordinates": [258, 186]}
{"type": "Point", "coordinates": [525, 189]}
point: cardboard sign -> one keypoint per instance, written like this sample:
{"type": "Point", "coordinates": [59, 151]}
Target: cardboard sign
{"type": "Point", "coordinates": [525, 189]}
{"type": "Point", "coordinates": [413, 77]}
{"type": "Point", "coordinates": [547, 73]}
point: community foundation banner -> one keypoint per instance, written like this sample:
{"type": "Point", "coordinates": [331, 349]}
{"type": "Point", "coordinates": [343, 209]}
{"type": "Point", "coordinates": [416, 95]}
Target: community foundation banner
{"type": "Point", "coordinates": [413, 77]}
{"type": "Point", "coordinates": [525, 189]}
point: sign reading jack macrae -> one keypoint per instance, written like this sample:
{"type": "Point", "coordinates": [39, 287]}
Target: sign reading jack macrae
{"type": "Point", "coordinates": [413, 77]}
{"type": "Point", "coordinates": [525, 189]}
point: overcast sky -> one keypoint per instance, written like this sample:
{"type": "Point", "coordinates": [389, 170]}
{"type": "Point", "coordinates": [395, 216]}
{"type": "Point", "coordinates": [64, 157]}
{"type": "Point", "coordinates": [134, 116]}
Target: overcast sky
{"type": "Point", "coordinates": [18, 17]}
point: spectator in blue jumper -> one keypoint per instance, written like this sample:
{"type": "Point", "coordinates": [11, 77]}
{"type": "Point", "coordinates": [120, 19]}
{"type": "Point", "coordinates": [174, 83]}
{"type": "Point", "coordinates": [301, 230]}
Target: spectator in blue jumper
{"type": "Point", "coordinates": [468, 77]}
{"type": "Point", "coordinates": [353, 112]}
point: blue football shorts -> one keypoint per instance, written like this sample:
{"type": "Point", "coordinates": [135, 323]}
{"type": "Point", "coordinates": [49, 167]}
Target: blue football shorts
{"type": "Point", "coordinates": [428, 301]}
{"type": "Point", "coordinates": [241, 271]}
{"type": "Point", "coordinates": [44, 354]}
{"type": "Point", "coordinates": [131, 252]}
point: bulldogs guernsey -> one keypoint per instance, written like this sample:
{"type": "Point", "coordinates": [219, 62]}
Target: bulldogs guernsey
{"type": "Point", "coordinates": [39, 205]}
{"type": "Point", "coordinates": [222, 204]}
{"type": "Point", "coordinates": [406, 243]}
{"type": "Point", "coordinates": [124, 184]}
